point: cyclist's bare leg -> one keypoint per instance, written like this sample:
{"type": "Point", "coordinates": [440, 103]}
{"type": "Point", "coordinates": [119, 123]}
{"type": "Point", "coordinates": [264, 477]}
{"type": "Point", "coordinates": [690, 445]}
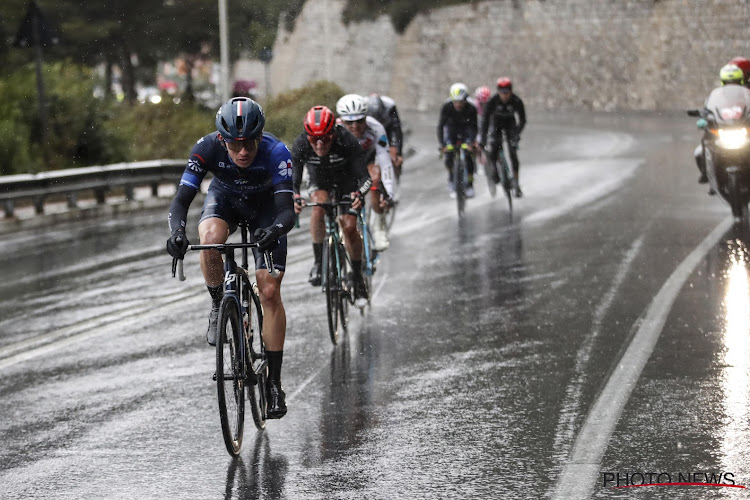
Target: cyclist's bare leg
{"type": "Point", "coordinates": [211, 232]}
{"type": "Point", "coordinates": [374, 171]}
{"type": "Point", "coordinates": [317, 216]}
{"type": "Point", "coordinates": [274, 314]}
{"type": "Point", "coordinates": [352, 238]}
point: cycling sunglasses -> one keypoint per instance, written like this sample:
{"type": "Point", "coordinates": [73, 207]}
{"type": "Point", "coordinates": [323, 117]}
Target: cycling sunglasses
{"type": "Point", "coordinates": [325, 139]}
{"type": "Point", "coordinates": [236, 146]}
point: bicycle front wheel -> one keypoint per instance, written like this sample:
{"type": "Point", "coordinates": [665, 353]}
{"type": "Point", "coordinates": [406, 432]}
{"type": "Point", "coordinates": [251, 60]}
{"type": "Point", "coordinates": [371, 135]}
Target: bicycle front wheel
{"type": "Point", "coordinates": [257, 363]}
{"type": "Point", "coordinates": [346, 286]}
{"type": "Point", "coordinates": [230, 374]}
{"type": "Point", "coordinates": [332, 287]}
{"type": "Point", "coordinates": [459, 178]}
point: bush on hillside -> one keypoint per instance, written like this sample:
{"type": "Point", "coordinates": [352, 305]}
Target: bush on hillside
{"type": "Point", "coordinates": [286, 112]}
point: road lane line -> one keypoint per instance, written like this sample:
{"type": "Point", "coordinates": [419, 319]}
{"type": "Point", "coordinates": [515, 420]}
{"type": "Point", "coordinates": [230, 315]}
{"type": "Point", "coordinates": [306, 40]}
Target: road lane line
{"type": "Point", "coordinates": [571, 407]}
{"type": "Point", "coordinates": [580, 473]}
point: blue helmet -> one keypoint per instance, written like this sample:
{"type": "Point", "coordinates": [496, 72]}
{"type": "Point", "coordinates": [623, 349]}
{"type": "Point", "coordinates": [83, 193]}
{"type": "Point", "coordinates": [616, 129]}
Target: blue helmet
{"type": "Point", "coordinates": [240, 118]}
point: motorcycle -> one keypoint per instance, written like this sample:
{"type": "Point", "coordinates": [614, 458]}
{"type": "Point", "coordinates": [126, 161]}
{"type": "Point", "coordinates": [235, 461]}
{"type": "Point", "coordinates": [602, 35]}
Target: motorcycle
{"type": "Point", "coordinates": [726, 145]}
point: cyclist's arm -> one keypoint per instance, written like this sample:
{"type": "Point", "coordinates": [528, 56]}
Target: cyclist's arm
{"type": "Point", "coordinates": [521, 115]}
{"type": "Point", "coordinates": [489, 108]}
{"type": "Point", "coordinates": [178, 209]}
{"type": "Point", "coordinates": [190, 183]}
{"type": "Point", "coordinates": [441, 124]}
{"type": "Point", "coordinates": [285, 215]}
{"type": "Point", "coordinates": [298, 162]}
{"type": "Point", "coordinates": [396, 135]}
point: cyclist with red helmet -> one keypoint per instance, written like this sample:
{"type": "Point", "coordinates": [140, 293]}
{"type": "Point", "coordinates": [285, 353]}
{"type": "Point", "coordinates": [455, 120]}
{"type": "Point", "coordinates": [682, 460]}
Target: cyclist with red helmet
{"type": "Point", "coordinates": [744, 65]}
{"type": "Point", "coordinates": [505, 110]}
{"type": "Point", "coordinates": [334, 159]}
{"type": "Point", "coordinates": [252, 182]}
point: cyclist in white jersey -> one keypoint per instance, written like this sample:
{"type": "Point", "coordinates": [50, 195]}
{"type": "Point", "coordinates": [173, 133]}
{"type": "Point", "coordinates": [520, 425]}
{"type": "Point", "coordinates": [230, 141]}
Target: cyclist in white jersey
{"type": "Point", "coordinates": [352, 110]}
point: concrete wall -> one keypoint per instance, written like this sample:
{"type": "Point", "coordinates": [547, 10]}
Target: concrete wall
{"type": "Point", "coordinates": [595, 54]}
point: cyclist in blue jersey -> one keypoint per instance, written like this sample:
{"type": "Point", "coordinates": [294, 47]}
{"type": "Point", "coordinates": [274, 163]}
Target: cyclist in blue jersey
{"type": "Point", "coordinates": [252, 182]}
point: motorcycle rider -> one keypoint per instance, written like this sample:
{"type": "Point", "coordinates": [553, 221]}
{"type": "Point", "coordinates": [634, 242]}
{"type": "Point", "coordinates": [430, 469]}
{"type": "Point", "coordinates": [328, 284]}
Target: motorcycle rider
{"type": "Point", "coordinates": [352, 111]}
{"type": "Point", "coordinates": [730, 74]}
{"type": "Point", "coordinates": [458, 121]}
{"type": "Point", "coordinates": [333, 158]}
{"type": "Point", "coordinates": [383, 109]}
{"type": "Point", "coordinates": [505, 110]}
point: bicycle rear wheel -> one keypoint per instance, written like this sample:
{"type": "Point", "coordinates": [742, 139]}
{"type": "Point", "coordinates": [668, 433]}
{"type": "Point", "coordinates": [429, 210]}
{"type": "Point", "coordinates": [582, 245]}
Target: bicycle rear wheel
{"type": "Point", "coordinates": [257, 363]}
{"type": "Point", "coordinates": [490, 172]}
{"type": "Point", "coordinates": [332, 286]}
{"type": "Point", "coordinates": [230, 374]}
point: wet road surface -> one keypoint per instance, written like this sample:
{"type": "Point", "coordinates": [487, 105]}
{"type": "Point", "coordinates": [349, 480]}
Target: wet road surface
{"type": "Point", "coordinates": [601, 333]}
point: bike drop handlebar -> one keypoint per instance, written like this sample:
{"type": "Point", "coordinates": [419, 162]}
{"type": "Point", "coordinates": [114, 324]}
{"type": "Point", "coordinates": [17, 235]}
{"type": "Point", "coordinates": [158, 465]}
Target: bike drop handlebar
{"type": "Point", "coordinates": [177, 264]}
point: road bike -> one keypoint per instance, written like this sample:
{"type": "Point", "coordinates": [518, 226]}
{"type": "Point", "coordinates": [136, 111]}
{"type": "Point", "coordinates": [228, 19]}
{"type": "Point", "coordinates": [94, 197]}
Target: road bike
{"type": "Point", "coordinates": [336, 268]}
{"type": "Point", "coordinates": [460, 171]}
{"type": "Point", "coordinates": [504, 174]}
{"type": "Point", "coordinates": [241, 362]}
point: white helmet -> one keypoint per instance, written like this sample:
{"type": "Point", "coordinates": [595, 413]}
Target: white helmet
{"type": "Point", "coordinates": [352, 107]}
{"type": "Point", "coordinates": [459, 92]}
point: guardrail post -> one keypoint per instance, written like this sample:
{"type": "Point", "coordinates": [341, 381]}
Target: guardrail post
{"type": "Point", "coordinates": [39, 204]}
{"type": "Point", "coordinates": [99, 194]}
{"type": "Point", "coordinates": [155, 189]}
{"type": "Point", "coordinates": [9, 208]}
{"type": "Point", "coordinates": [72, 200]}
{"type": "Point", "coordinates": [129, 193]}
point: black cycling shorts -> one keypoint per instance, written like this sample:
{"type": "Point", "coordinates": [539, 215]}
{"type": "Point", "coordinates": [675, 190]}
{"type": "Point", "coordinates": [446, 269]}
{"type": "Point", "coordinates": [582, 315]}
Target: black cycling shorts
{"type": "Point", "coordinates": [234, 209]}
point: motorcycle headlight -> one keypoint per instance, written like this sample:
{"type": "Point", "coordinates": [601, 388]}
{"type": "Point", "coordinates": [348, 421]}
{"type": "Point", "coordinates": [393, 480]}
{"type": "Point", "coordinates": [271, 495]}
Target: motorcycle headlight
{"type": "Point", "coordinates": [732, 138]}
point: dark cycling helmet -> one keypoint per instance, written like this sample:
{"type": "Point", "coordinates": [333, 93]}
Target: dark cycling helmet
{"type": "Point", "coordinates": [319, 121]}
{"type": "Point", "coordinates": [731, 74]}
{"type": "Point", "coordinates": [504, 83]}
{"type": "Point", "coordinates": [240, 118]}
{"type": "Point", "coordinates": [744, 65]}
{"type": "Point", "coordinates": [375, 105]}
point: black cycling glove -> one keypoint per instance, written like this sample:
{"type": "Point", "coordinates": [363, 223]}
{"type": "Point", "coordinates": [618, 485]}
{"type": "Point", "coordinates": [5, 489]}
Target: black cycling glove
{"type": "Point", "coordinates": [268, 237]}
{"type": "Point", "coordinates": [177, 244]}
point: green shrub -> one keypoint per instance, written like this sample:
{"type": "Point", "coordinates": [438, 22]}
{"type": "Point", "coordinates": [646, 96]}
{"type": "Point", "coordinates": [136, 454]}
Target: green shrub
{"type": "Point", "coordinates": [286, 112]}
{"type": "Point", "coordinates": [164, 130]}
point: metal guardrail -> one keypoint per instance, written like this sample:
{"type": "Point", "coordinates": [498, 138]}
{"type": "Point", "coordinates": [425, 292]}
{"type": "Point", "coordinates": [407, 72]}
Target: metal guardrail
{"type": "Point", "coordinates": [98, 179]}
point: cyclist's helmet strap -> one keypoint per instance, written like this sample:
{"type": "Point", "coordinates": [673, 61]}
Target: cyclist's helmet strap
{"type": "Point", "coordinates": [240, 118]}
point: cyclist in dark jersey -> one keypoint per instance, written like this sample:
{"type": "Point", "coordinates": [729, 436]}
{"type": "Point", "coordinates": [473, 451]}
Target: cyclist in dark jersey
{"type": "Point", "coordinates": [334, 159]}
{"type": "Point", "coordinates": [252, 182]}
{"type": "Point", "coordinates": [383, 109]}
{"type": "Point", "coordinates": [505, 110]}
{"type": "Point", "coordinates": [458, 121]}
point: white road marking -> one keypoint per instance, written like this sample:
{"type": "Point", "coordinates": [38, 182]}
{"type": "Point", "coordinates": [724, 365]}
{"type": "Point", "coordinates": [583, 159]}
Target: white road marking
{"type": "Point", "coordinates": [580, 473]}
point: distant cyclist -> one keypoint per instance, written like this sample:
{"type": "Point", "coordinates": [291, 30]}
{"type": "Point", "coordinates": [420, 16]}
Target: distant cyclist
{"type": "Point", "coordinates": [481, 96]}
{"type": "Point", "coordinates": [352, 110]}
{"type": "Point", "coordinates": [333, 158]}
{"type": "Point", "coordinates": [505, 111]}
{"type": "Point", "coordinates": [458, 121]}
{"type": "Point", "coordinates": [252, 182]}
{"type": "Point", "coordinates": [383, 109]}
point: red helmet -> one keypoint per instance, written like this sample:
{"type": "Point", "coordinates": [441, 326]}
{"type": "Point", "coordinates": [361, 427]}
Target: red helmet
{"type": "Point", "coordinates": [744, 65]}
{"type": "Point", "coordinates": [319, 121]}
{"type": "Point", "coordinates": [504, 83]}
{"type": "Point", "coordinates": [482, 94]}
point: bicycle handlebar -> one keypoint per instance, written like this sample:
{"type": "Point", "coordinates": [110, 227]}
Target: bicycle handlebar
{"type": "Point", "coordinates": [177, 264]}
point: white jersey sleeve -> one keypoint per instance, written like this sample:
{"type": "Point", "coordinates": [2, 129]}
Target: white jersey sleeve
{"type": "Point", "coordinates": [382, 155]}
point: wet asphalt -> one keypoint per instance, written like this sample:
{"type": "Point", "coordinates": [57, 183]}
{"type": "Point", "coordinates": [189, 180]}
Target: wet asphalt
{"type": "Point", "coordinates": [489, 341]}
